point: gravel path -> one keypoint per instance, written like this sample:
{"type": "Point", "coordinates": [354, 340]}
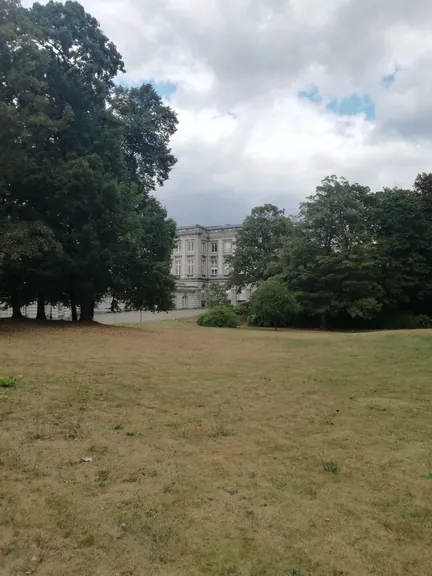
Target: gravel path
{"type": "Point", "coordinates": [135, 317]}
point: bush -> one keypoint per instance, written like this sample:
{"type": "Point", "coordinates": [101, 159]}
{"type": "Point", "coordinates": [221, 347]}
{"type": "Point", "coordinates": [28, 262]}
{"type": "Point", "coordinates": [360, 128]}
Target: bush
{"type": "Point", "coordinates": [219, 317]}
{"type": "Point", "coordinates": [242, 310]}
{"type": "Point", "coordinates": [272, 305]}
{"type": "Point", "coordinates": [407, 321]}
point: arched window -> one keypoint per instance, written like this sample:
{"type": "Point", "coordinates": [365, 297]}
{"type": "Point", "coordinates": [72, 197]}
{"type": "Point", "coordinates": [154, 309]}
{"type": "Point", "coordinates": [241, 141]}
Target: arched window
{"type": "Point", "coordinates": [185, 301]}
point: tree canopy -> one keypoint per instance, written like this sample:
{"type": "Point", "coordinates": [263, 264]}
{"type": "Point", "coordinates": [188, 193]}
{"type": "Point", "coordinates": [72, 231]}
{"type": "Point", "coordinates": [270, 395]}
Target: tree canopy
{"type": "Point", "coordinates": [351, 258]}
{"type": "Point", "coordinates": [257, 246]}
{"type": "Point", "coordinates": [79, 161]}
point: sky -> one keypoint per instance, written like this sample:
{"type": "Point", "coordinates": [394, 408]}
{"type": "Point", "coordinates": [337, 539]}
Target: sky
{"type": "Point", "coordinates": [274, 95]}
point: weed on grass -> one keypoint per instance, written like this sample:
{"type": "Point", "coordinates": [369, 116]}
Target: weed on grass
{"type": "Point", "coordinates": [74, 433]}
{"type": "Point", "coordinates": [102, 477]}
{"type": "Point", "coordinates": [8, 382]}
{"type": "Point", "coordinates": [330, 466]}
{"type": "Point", "coordinates": [221, 431]}
{"type": "Point", "coordinates": [131, 479]}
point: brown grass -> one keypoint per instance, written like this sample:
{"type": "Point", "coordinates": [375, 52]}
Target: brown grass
{"type": "Point", "coordinates": [217, 452]}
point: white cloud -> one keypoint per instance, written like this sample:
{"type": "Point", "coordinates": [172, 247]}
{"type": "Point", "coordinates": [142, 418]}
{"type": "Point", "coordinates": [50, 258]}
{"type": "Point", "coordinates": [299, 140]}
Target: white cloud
{"type": "Point", "coordinates": [244, 136]}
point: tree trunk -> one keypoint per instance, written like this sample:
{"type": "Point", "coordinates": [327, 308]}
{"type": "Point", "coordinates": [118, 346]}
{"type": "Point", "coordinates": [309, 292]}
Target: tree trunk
{"type": "Point", "coordinates": [323, 321]}
{"type": "Point", "coordinates": [40, 308]}
{"type": "Point", "coordinates": [73, 309]}
{"type": "Point", "coordinates": [16, 309]}
{"type": "Point", "coordinates": [87, 310]}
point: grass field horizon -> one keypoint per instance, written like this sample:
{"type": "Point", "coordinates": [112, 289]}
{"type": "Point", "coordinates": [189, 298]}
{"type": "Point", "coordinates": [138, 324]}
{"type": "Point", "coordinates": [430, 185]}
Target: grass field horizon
{"type": "Point", "coordinates": [219, 452]}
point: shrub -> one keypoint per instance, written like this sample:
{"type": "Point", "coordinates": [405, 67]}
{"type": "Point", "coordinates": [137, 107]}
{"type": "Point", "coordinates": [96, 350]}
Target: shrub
{"type": "Point", "coordinates": [408, 321]}
{"type": "Point", "coordinates": [242, 310]}
{"type": "Point", "coordinates": [272, 305]}
{"type": "Point", "coordinates": [219, 317]}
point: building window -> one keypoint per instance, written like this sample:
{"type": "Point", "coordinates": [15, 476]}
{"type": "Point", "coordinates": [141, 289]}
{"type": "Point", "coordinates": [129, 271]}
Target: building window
{"type": "Point", "coordinates": [185, 301]}
{"type": "Point", "coordinates": [177, 266]}
{"type": "Point", "coordinates": [227, 268]}
{"type": "Point", "coordinates": [191, 266]}
{"type": "Point", "coordinates": [203, 247]}
{"type": "Point", "coordinates": [214, 267]}
{"type": "Point", "coordinates": [203, 267]}
{"type": "Point", "coordinates": [214, 247]}
{"type": "Point", "coordinates": [177, 247]}
{"type": "Point", "coordinates": [190, 244]}
{"type": "Point", "coordinates": [227, 246]}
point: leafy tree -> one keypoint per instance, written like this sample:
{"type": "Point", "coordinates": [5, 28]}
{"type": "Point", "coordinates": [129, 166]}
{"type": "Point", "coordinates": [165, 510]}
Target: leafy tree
{"type": "Point", "coordinates": [217, 296]}
{"type": "Point", "coordinates": [258, 243]}
{"type": "Point", "coordinates": [141, 274]}
{"type": "Point", "coordinates": [148, 124]}
{"type": "Point", "coordinates": [403, 228]}
{"type": "Point", "coordinates": [332, 259]}
{"type": "Point", "coordinates": [272, 305]}
{"type": "Point", "coordinates": [88, 156]}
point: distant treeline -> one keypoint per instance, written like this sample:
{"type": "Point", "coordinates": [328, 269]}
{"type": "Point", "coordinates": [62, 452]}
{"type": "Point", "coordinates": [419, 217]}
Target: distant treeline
{"type": "Point", "coordinates": [352, 258]}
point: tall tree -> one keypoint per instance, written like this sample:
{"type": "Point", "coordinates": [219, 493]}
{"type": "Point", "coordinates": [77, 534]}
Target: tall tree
{"type": "Point", "coordinates": [89, 156]}
{"type": "Point", "coordinates": [141, 273]}
{"type": "Point", "coordinates": [258, 243]}
{"type": "Point", "coordinates": [403, 221]}
{"type": "Point", "coordinates": [331, 261]}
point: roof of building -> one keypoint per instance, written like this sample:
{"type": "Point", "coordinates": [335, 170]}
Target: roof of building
{"type": "Point", "coordinates": [217, 227]}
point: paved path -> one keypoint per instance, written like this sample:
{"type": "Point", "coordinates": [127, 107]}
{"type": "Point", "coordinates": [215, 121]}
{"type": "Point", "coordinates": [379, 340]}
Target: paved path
{"type": "Point", "coordinates": [135, 317]}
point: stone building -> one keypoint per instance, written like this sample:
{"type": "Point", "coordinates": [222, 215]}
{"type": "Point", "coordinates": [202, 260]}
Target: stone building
{"type": "Point", "coordinates": [199, 259]}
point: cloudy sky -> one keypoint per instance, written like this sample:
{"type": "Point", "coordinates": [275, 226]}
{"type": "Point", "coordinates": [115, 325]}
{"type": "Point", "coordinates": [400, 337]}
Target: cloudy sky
{"type": "Point", "coordinates": [273, 95]}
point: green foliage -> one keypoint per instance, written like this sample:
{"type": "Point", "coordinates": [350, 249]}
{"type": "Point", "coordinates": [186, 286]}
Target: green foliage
{"type": "Point", "coordinates": [78, 161]}
{"type": "Point", "coordinates": [272, 304]}
{"type": "Point", "coordinates": [403, 229]}
{"type": "Point", "coordinates": [219, 317]}
{"type": "Point", "coordinates": [332, 261]}
{"type": "Point", "coordinates": [8, 382]}
{"type": "Point", "coordinates": [242, 310]}
{"type": "Point", "coordinates": [408, 321]}
{"type": "Point", "coordinates": [258, 243]}
{"type": "Point", "coordinates": [217, 296]}
{"type": "Point", "coordinates": [330, 466]}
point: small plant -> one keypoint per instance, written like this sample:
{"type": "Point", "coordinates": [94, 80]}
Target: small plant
{"type": "Point", "coordinates": [131, 479]}
{"type": "Point", "coordinates": [428, 476]}
{"type": "Point", "coordinates": [74, 432]}
{"type": "Point", "coordinates": [330, 466]}
{"type": "Point", "coordinates": [118, 427]}
{"type": "Point", "coordinates": [8, 382]}
{"type": "Point", "coordinates": [168, 488]}
{"type": "Point", "coordinates": [102, 477]}
{"type": "Point", "coordinates": [293, 573]}
{"type": "Point", "coordinates": [222, 431]}
{"type": "Point", "coordinates": [38, 436]}
{"type": "Point", "coordinates": [130, 433]}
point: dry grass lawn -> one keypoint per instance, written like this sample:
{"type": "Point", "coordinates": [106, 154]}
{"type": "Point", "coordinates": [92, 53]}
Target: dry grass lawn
{"type": "Point", "coordinates": [241, 453]}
